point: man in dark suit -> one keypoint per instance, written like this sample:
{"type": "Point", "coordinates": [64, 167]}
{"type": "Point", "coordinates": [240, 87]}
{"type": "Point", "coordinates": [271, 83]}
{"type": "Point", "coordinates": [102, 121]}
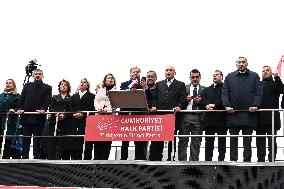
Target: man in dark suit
{"type": "Point", "coordinates": [191, 122]}
{"type": "Point", "coordinates": [35, 97]}
{"type": "Point", "coordinates": [140, 146]}
{"type": "Point", "coordinates": [214, 122]}
{"type": "Point", "coordinates": [170, 96]}
{"type": "Point", "coordinates": [271, 90]}
{"type": "Point", "coordinates": [241, 91]}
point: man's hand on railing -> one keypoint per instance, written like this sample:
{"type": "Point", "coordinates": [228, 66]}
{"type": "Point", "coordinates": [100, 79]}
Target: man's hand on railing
{"type": "Point", "coordinates": [210, 106]}
{"type": "Point", "coordinates": [12, 111]}
{"type": "Point", "coordinates": [78, 115]}
{"type": "Point", "coordinates": [177, 109]}
{"type": "Point", "coordinates": [153, 109]}
{"type": "Point", "coordinates": [20, 112]}
{"type": "Point", "coordinates": [40, 111]}
{"type": "Point", "coordinates": [230, 109]}
{"type": "Point", "coordinates": [253, 109]}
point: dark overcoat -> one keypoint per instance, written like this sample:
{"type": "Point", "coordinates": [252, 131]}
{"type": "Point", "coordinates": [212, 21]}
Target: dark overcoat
{"type": "Point", "coordinates": [34, 96]}
{"type": "Point", "coordinates": [9, 101]}
{"type": "Point", "coordinates": [241, 91]}
{"type": "Point", "coordinates": [271, 90]}
{"type": "Point", "coordinates": [77, 126]}
{"type": "Point", "coordinates": [212, 95]}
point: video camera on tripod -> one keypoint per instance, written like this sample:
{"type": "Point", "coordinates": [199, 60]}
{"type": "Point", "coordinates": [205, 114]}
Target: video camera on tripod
{"type": "Point", "coordinates": [30, 68]}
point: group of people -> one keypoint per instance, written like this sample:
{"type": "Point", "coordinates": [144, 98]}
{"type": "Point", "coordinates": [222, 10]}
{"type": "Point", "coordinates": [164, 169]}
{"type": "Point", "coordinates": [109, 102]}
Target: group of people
{"type": "Point", "coordinates": [236, 101]}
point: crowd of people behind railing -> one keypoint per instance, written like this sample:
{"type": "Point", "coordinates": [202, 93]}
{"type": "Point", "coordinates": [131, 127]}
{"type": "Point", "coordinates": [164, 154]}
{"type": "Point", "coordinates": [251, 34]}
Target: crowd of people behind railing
{"type": "Point", "coordinates": [239, 96]}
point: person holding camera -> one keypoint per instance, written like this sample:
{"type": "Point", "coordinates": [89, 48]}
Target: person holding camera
{"type": "Point", "coordinates": [190, 123]}
{"type": "Point", "coordinates": [35, 97]}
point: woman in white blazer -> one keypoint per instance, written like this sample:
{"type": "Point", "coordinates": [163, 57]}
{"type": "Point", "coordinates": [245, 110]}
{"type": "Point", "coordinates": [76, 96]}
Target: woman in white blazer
{"type": "Point", "coordinates": [103, 106]}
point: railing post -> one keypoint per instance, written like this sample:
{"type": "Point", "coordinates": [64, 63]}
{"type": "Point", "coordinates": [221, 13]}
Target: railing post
{"type": "Point", "coordinates": [115, 154]}
{"type": "Point", "coordinates": [173, 143]}
{"type": "Point", "coordinates": [3, 137]}
{"type": "Point", "coordinates": [273, 137]}
{"type": "Point", "coordinates": [56, 122]}
{"type": "Point", "coordinates": [84, 145]}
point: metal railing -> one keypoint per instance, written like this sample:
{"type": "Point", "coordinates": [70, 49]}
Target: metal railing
{"type": "Point", "coordinates": [273, 136]}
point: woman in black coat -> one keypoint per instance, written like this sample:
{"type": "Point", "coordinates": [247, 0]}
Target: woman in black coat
{"type": "Point", "coordinates": [59, 103]}
{"type": "Point", "coordinates": [9, 102]}
{"type": "Point", "coordinates": [83, 100]}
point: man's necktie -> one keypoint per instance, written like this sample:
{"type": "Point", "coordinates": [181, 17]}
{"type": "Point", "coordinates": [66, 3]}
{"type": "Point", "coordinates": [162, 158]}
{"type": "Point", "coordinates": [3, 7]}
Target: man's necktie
{"type": "Point", "coordinates": [195, 91]}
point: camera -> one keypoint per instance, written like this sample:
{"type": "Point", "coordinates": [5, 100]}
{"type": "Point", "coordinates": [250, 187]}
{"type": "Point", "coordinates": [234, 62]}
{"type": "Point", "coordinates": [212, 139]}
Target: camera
{"type": "Point", "coordinates": [31, 67]}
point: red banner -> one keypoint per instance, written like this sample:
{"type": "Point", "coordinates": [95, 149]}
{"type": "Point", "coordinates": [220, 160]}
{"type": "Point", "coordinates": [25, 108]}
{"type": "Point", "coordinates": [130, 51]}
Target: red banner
{"type": "Point", "coordinates": [130, 128]}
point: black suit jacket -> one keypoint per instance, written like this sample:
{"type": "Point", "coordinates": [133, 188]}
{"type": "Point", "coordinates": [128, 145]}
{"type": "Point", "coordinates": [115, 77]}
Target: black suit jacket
{"type": "Point", "coordinates": [170, 97]}
{"type": "Point", "coordinates": [271, 90]}
{"type": "Point", "coordinates": [125, 85]}
{"type": "Point", "coordinates": [212, 95]}
{"type": "Point", "coordinates": [34, 96]}
{"type": "Point", "coordinates": [77, 126]}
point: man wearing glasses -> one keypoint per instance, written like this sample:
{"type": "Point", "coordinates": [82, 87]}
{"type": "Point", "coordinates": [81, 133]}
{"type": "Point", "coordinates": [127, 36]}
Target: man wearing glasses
{"type": "Point", "coordinates": [191, 122]}
{"type": "Point", "coordinates": [241, 96]}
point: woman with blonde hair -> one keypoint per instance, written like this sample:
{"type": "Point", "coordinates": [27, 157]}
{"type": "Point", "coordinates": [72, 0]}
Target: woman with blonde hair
{"type": "Point", "coordinates": [9, 103]}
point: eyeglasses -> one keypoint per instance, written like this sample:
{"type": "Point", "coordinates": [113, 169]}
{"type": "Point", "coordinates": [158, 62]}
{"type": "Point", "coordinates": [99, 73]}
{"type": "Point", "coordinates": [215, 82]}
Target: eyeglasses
{"type": "Point", "coordinates": [193, 77]}
{"type": "Point", "coordinates": [242, 61]}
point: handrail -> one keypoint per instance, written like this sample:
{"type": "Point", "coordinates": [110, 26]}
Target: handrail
{"type": "Point", "coordinates": [273, 136]}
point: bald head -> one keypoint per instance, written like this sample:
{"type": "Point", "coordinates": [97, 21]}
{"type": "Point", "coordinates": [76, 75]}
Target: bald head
{"type": "Point", "coordinates": [170, 72]}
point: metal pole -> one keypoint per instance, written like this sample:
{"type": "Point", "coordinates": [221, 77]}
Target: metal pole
{"type": "Point", "coordinates": [4, 134]}
{"type": "Point", "coordinates": [55, 127]}
{"type": "Point", "coordinates": [115, 155]}
{"type": "Point", "coordinates": [173, 143]}
{"type": "Point", "coordinates": [84, 145]}
{"type": "Point", "coordinates": [273, 137]}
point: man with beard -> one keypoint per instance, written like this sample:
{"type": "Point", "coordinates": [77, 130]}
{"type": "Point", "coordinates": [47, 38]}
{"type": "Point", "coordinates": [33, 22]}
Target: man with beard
{"type": "Point", "coordinates": [35, 97]}
{"type": "Point", "coordinates": [271, 90]}
{"type": "Point", "coordinates": [241, 91]}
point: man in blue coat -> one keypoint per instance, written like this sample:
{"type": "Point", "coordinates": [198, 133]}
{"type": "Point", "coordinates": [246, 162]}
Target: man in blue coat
{"type": "Point", "coordinates": [241, 96]}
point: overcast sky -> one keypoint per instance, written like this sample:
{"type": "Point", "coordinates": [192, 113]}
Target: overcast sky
{"type": "Point", "coordinates": [77, 39]}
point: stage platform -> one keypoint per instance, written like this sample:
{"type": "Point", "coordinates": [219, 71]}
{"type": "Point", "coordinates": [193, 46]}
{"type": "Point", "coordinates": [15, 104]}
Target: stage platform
{"type": "Point", "coordinates": [141, 174]}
